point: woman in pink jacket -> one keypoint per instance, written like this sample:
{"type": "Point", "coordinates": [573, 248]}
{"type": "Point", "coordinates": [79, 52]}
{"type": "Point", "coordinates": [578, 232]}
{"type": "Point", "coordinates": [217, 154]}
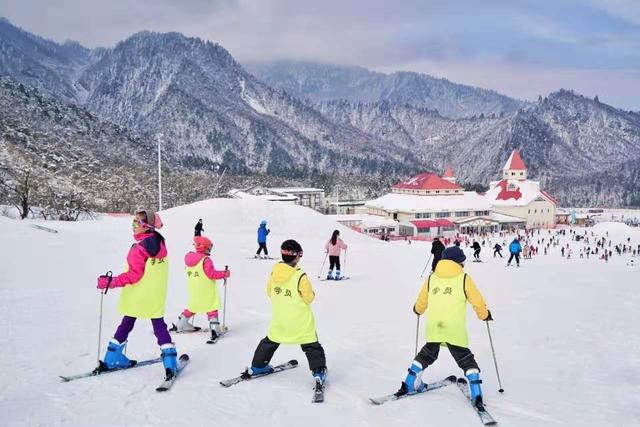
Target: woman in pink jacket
{"type": "Point", "coordinates": [333, 248]}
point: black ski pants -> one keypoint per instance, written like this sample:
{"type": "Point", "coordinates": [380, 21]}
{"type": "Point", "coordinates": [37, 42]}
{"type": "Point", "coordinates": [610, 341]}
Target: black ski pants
{"type": "Point", "coordinates": [516, 255]}
{"type": "Point", "coordinates": [497, 251]}
{"type": "Point", "coordinates": [334, 261]}
{"type": "Point", "coordinates": [261, 247]}
{"type": "Point", "coordinates": [476, 253]}
{"type": "Point", "coordinates": [462, 355]}
{"type": "Point", "coordinates": [266, 349]}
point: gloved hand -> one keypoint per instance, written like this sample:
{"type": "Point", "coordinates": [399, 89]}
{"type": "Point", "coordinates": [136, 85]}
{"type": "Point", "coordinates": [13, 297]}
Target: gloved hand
{"type": "Point", "coordinates": [227, 274]}
{"type": "Point", "coordinates": [104, 282]}
{"type": "Point", "coordinates": [489, 318]}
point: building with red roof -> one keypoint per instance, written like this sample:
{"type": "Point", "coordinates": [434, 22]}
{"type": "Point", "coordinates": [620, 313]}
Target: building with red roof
{"type": "Point", "coordinates": [519, 196]}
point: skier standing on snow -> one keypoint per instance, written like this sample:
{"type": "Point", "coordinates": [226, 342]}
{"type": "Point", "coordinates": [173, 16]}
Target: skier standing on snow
{"type": "Point", "coordinates": [333, 248]}
{"type": "Point", "coordinates": [436, 249]}
{"type": "Point", "coordinates": [144, 292]}
{"type": "Point", "coordinates": [198, 228]}
{"type": "Point", "coordinates": [263, 231]}
{"type": "Point", "coordinates": [514, 249]}
{"type": "Point", "coordinates": [292, 320]}
{"type": "Point", "coordinates": [497, 249]}
{"type": "Point", "coordinates": [476, 250]}
{"type": "Point", "coordinates": [445, 294]}
{"type": "Point", "coordinates": [203, 292]}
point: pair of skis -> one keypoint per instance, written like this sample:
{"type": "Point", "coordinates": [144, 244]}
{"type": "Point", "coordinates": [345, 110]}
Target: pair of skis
{"type": "Point", "coordinates": [167, 383]}
{"type": "Point", "coordinates": [212, 339]}
{"type": "Point", "coordinates": [462, 384]}
{"type": "Point", "coordinates": [318, 389]}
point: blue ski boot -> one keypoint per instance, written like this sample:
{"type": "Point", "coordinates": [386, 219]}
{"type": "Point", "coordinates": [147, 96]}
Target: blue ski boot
{"type": "Point", "coordinates": [473, 375]}
{"type": "Point", "coordinates": [169, 359]}
{"type": "Point", "coordinates": [413, 382]}
{"type": "Point", "coordinates": [330, 275]}
{"type": "Point", "coordinates": [114, 357]}
{"type": "Point", "coordinates": [320, 375]}
{"type": "Point", "coordinates": [253, 370]}
{"type": "Point", "coordinates": [338, 277]}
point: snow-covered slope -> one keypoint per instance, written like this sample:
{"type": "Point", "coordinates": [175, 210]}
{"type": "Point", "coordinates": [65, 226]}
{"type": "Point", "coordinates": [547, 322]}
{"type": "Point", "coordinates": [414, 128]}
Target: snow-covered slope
{"type": "Point", "coordinates": [565, 331]}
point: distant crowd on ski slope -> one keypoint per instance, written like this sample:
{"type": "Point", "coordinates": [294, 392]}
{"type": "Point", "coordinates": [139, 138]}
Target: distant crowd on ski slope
{"type": "Point", "coordinates": [593, 246]}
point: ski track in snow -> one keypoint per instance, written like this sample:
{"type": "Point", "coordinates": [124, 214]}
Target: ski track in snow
{"type": "Point", "coordinates": [565, 330]}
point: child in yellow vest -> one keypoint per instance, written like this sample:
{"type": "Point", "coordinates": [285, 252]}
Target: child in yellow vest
{"type": "Point", "coordinates": [203, 292]}
{"type": "Point", "coordinates": [292, 320]}
{"type": "Point", "coordinates": [446, 293]}
{"type": "Point", "coordinates": [144, 292]}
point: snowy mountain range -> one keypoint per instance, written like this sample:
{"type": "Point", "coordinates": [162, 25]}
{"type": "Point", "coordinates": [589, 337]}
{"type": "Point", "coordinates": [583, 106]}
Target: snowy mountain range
{"type": "Point", "coordinates": [310, 121]}
{"type": "Point", "coordinates": [325, 82]}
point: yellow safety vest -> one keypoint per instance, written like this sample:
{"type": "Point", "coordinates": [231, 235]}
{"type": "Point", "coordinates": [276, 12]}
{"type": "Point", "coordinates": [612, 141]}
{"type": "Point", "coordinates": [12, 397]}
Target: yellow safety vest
{"type": "Point", "coordinates": [203, 292]}
{"type": "Point", "coordinates": [447, 311]}
{"type": "Point", "coordinates": [146, 298]}
{"type": "Point", "coordinates": [292, 320]}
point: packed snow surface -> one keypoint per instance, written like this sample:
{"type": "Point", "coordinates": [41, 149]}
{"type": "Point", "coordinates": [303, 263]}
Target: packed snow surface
{"type": "Point", "coordinates": [565, 331]}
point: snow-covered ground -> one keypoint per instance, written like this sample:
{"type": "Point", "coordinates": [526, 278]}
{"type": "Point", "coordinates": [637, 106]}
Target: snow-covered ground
{"type": "Point", "coordinates": [565, 330]}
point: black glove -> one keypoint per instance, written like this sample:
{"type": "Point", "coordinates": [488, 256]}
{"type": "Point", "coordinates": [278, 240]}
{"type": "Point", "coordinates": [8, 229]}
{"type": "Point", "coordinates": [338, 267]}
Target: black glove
{"type": "Point", "coordinates": [489, 318]}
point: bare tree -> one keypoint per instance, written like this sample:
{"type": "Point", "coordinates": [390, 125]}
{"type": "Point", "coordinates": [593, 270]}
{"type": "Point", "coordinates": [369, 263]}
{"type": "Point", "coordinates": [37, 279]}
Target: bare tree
{"type": "Point", "coordinates": [19, 188]}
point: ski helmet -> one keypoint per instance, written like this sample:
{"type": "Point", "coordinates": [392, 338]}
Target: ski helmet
{"type": "Point", "coordinates": [202, 244]}
{"type": "Point", "coordinates": [290, 249]}
{"type": "Point", "coordinates": [454, 253]}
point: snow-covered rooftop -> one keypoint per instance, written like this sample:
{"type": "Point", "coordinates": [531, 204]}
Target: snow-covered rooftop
{"type": "Point", "coordinates": [515, 162]}
{"type": "Point", "coordinates": [296, 189]}
{"type": "Point", "coordinates": [466, 201]}
{"type": "Point", "coordinates": [515, 193]}
{"type": "Point", "coordinates": [427, 181]}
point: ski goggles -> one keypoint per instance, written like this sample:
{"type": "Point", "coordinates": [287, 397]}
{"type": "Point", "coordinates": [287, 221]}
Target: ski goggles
{"type": "Point", "coordinates": [137, 222]}
{"type": "Point", "coordinates": [291, 253]}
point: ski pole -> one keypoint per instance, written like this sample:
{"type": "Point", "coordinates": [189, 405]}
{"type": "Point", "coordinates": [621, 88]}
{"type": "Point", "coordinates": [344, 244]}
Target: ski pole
{"type": "Point", "coordinates": [224, 307]}
{"type": "Point", "coordinates": [345, 262]}
{"type": "Point", "coordinates": [415, 352]}
{"type": "Point", "coordinates": [495, 361]}
{"type": "Point", "coordinates": [426, 265]}
{"type": "Point", "coordinates": [109, 276]}
{"type": "Point", "coordinates": [326, 254]}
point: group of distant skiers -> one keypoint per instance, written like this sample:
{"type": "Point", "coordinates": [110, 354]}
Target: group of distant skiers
{"type": "Point", "coordinates": [144, 283]}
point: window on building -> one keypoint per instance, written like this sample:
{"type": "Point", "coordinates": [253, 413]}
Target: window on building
{"type": "Point", "coordinates": [462, 213]}
{"type": "Point", "coordinates": [437, 191]}
{"type": "Point", "coordinates": [529, 210]}
{"type": "Point", "coordinates": [442, 214]}
{"type": "Point", "coordinates": [513, 174]}
{"type": "Point", "coordinates": [521, 173]}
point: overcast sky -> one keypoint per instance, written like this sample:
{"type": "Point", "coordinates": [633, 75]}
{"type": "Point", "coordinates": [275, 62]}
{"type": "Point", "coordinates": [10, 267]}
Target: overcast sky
{"type": "Point", "coordinates": [523, 48]}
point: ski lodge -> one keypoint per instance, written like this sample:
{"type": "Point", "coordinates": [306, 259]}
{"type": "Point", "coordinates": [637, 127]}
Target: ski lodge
{"type": "Point", "coordinates": [429, 205]}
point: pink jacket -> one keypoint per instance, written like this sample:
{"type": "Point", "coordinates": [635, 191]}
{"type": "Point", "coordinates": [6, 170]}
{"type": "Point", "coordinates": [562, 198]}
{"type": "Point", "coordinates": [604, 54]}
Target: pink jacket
{"type": "Point", "coordinates": [193, 258]}
{"type": "Point", "coordinates": [334, 250]}
{"type": "Point", "coordinates": [148, 245]}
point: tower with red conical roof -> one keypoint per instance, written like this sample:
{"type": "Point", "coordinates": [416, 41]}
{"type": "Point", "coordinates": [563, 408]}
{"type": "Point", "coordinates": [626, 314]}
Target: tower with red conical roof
{"type": "Point", "coordinates": [515, 168]}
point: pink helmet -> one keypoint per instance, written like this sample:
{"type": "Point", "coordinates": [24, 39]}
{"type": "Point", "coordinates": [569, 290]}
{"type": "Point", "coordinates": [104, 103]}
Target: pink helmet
{"type": "Point", "coordinates": [202, 244]}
